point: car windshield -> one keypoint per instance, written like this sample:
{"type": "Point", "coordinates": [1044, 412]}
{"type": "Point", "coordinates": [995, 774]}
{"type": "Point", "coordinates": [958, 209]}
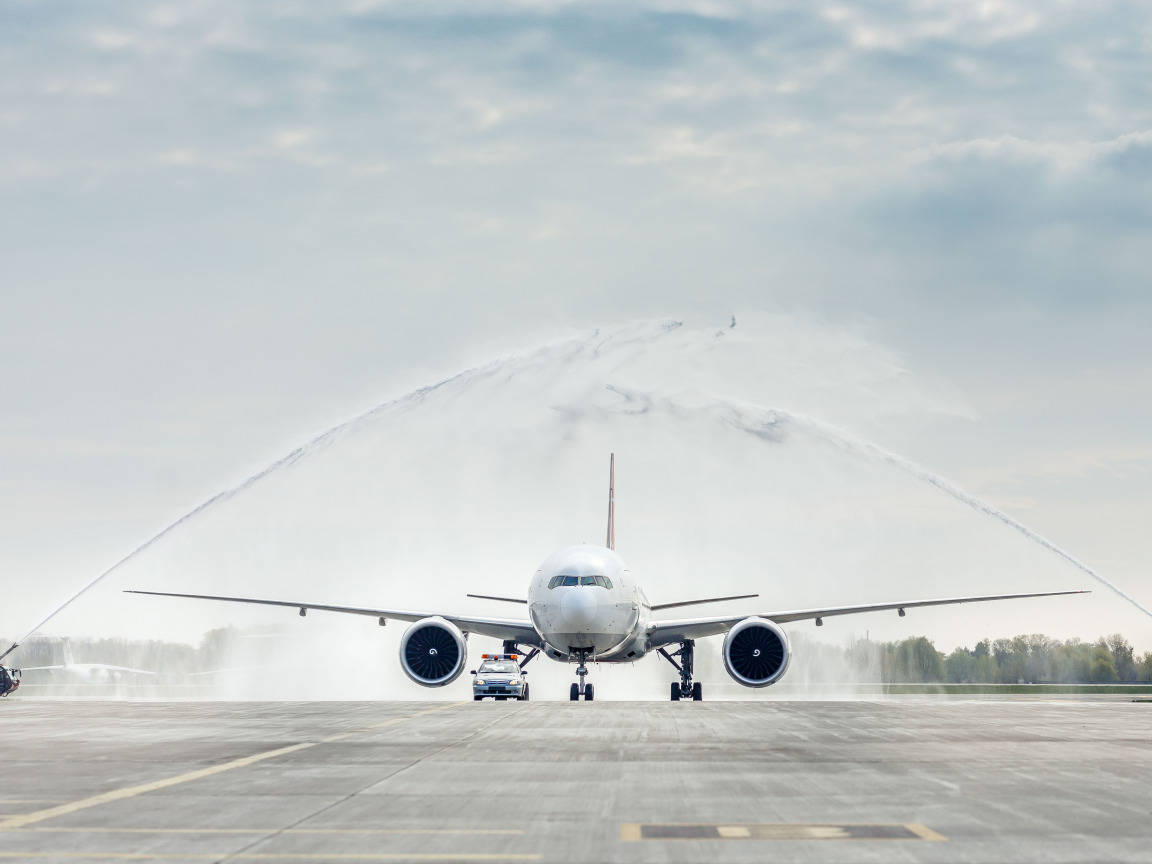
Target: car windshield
{"type": "Point", "coordinates": [499, 668]}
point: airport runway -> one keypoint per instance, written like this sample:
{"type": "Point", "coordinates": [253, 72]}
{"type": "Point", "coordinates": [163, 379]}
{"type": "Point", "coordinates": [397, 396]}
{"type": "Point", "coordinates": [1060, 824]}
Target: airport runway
{"type": "Point", "coordinates": [893, 780]}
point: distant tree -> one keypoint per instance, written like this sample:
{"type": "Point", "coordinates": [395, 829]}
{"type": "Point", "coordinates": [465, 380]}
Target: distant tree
{"type": "Point", "coordinates": [1103, 669]}
{"type": "Point", "coordinates": [1144, 671]}
{"type": "Point", "coordinates": [1123, 657]}
{"type": "Point", "coordinates": [960, 666]}
{"type": "Point", "coordinates": [917, 660]}
{"type": "Point", "coordinates": [986, 670]}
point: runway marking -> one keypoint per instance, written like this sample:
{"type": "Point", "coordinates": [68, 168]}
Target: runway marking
{"type": "Point", "coordinates": [275, 856]}
{"type": "Point", "coordinates": [19, 821]}
{"type": "Point", "coordinates": [631, 832]}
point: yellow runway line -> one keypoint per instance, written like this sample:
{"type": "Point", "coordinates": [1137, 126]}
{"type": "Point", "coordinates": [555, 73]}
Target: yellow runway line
{"type": "Point", "coordinates": [132, 791]}
{"type": "Point", "coordinates": [21, 820]}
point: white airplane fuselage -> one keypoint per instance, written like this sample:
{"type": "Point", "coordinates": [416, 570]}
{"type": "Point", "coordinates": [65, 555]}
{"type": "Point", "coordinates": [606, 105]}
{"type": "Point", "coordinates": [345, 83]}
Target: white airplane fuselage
{"type": "Point", "coordinates": [584, 599]}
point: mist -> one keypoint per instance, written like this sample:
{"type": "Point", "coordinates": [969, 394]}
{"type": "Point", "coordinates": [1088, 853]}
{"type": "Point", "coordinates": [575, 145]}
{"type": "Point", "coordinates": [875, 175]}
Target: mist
{"type": "Point", "coordinates": [729, 480]}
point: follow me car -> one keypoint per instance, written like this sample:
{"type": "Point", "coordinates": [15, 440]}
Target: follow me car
{"type": "Point", "coordinates": [501, 677]}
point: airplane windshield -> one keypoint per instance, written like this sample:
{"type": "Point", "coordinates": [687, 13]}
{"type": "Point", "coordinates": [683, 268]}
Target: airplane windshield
{"type": "Point", "coordinates": [570, 581]}
{"type": "Point", "coordinates": [499, 668]}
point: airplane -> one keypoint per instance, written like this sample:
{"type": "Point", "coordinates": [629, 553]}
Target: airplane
{"type": "Point", "coordinates": [87, 673]}
{"type": "Point", "coordinates": [585, 605]}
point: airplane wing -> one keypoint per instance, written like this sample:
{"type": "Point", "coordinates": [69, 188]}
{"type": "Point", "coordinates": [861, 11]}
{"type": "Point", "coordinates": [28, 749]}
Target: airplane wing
{"type": "Point", "coordinates": [519, 630]}
{"type": "Point", "coordinates": [667, 632]}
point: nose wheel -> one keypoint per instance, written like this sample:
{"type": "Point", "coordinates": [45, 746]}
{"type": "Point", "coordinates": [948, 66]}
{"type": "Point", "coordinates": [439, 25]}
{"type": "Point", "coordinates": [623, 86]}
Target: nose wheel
{"type": "Point", "coordinates": [588, 691]}
{"type": "Point", "coordinates": [686, 688]}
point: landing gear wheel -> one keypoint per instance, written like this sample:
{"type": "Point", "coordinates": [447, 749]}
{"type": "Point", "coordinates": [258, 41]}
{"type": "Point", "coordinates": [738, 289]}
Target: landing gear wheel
{"type": "Point", "coordinates": [589, 692]}
{"type": "Point", "coordinates": [686, 689]}
{"type": "Point", "coordinates": [574, 692]}
{"type": "Point", "coordinates": [524, 696]}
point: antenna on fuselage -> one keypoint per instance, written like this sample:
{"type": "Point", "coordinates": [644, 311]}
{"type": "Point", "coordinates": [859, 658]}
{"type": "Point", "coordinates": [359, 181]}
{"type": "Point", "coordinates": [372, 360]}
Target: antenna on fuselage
{"type": "Point", "coordinates": [611, 541]}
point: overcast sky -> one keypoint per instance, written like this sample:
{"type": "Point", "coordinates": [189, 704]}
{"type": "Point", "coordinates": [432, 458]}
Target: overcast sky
{"type": "Point", "coordinates": [226, 225]}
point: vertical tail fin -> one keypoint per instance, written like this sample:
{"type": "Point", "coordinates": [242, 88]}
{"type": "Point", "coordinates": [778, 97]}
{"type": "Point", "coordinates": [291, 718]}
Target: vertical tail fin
{"type": "Point", "coordinates": [611, 541]}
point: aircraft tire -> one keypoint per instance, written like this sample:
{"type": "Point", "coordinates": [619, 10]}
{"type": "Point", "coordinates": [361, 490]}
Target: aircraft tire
{"type": "Point", "coordinates": [697, 692]}
{"type": "Point", "coordinates": [524, 696]}
{"type": "Point", "coordinates": [589, 692]}
{"type": "Point", "coordinates": [574, 693]}
{"type": "Point", "coordinates": [675, 692]}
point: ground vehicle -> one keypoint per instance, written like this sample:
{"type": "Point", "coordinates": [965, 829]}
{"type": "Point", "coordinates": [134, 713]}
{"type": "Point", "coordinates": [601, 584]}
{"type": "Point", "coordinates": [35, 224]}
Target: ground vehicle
{"type": "Point", "coordinates": [501, 677]}
{"type": "Point", "coordinates": [9, 680]}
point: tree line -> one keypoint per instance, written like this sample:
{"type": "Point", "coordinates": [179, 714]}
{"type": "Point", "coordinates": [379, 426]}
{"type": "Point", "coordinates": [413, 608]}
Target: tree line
{"type": "Point", "coordinates": [1026, 659]}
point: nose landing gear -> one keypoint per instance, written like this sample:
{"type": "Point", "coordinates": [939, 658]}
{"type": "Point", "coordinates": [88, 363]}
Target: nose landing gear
{"type": "Point", "coordinates": [588, 691]}
{"type": "Point", "coordinates": [686, 689]}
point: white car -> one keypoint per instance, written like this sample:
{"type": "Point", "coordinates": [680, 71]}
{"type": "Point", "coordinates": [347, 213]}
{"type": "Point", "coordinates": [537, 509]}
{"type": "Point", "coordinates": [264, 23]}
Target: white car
{"type": "Point", "coordinates": [500, 677]}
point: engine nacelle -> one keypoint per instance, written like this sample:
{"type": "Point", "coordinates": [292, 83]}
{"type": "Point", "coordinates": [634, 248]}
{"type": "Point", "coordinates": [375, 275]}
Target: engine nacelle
{"type": "Point", "coordinates": [433, 652]}
{"type": "Point", "coordinates": [756, 652]}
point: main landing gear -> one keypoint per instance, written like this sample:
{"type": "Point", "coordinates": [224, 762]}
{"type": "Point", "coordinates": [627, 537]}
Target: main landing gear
{"type": "Point", "coordinates": [588, 691]}
{"type": "Point", "coordinates": [685, 689]}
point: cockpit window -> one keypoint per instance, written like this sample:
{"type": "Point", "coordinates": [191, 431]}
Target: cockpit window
{"type": "Point", "coordinates": [570, 581]}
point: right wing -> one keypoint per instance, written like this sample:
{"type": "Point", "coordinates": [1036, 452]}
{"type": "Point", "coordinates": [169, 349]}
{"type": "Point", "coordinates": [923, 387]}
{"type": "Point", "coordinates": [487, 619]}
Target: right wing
{"type": "Point", "coordinates": [501, 628]}
{"type": "Point", "coordinates": [666, 632]}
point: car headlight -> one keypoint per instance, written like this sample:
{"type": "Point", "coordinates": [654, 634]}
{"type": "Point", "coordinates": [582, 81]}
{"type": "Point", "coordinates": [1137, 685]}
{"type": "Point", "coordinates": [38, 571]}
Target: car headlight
{"type": "Point", "coordinates": [515, 682]}
{"type": "Point", "coordinates": [480, 681]}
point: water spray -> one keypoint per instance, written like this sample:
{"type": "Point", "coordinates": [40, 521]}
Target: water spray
{"type": "Point", "coordinates": [769, 427]}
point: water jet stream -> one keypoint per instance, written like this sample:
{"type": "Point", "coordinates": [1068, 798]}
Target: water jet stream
{"type": "Point", "coordinates": [770, 425]}
{"type": "Point", "coordinates": [850, 444]}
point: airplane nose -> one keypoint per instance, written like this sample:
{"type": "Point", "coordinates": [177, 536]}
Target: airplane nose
{"type": "Point", "coordinates": [579, 608]}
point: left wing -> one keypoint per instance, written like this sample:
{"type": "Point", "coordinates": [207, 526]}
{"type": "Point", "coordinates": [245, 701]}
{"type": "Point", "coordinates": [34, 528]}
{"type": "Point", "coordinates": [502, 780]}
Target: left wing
{"type": "Point", "coordinates": [501, 628]}
{"type": "Point", "coordinates": [667, 632]}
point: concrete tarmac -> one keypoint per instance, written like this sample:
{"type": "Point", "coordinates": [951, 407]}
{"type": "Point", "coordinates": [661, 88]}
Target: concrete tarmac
{"type": "Point", "coordinates": [893, 780]}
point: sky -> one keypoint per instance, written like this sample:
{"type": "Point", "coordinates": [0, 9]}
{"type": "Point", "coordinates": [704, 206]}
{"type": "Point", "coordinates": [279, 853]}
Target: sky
{"type": "Point", "coordinates": [228, 226]}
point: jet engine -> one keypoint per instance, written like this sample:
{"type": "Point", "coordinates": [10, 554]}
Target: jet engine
{"type": "Point", "coordinates": [433, 652]}
{"type": "Point", "coordinates": [756, 652]}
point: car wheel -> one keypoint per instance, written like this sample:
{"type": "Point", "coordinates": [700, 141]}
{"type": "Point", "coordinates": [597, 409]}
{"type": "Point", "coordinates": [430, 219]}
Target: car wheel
{"type": "Point", "coordinates": [574, 692]}
{"type": "Point", "coordinates": [477, 698]}
{"type": "Point", "coordinates": [675, 692]}
{"type": "Point", "coordinates": [697, 692]}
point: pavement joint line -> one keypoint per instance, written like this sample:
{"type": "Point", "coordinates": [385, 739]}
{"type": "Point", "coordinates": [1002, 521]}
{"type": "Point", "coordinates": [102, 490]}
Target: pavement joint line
{"type": "Point", "coordinates": [366, 729]}
{"type": "Point", "coordinates": [273, 856]}
{"type": "Point", "coordinates": [6, 801]}
{"type": "Point", "coordinates": [24, 819]}
{"type": "Point", "coordinates": [380, 832]}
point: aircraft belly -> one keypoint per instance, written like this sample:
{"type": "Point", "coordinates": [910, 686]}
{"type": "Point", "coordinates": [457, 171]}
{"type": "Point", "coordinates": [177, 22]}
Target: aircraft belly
{"type": "Point", "coordinates": [600, 642]}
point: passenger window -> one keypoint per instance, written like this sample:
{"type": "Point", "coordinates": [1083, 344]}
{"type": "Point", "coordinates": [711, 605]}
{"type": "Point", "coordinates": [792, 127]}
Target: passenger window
{"type": "Point", "coordinates": [569, 581]}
